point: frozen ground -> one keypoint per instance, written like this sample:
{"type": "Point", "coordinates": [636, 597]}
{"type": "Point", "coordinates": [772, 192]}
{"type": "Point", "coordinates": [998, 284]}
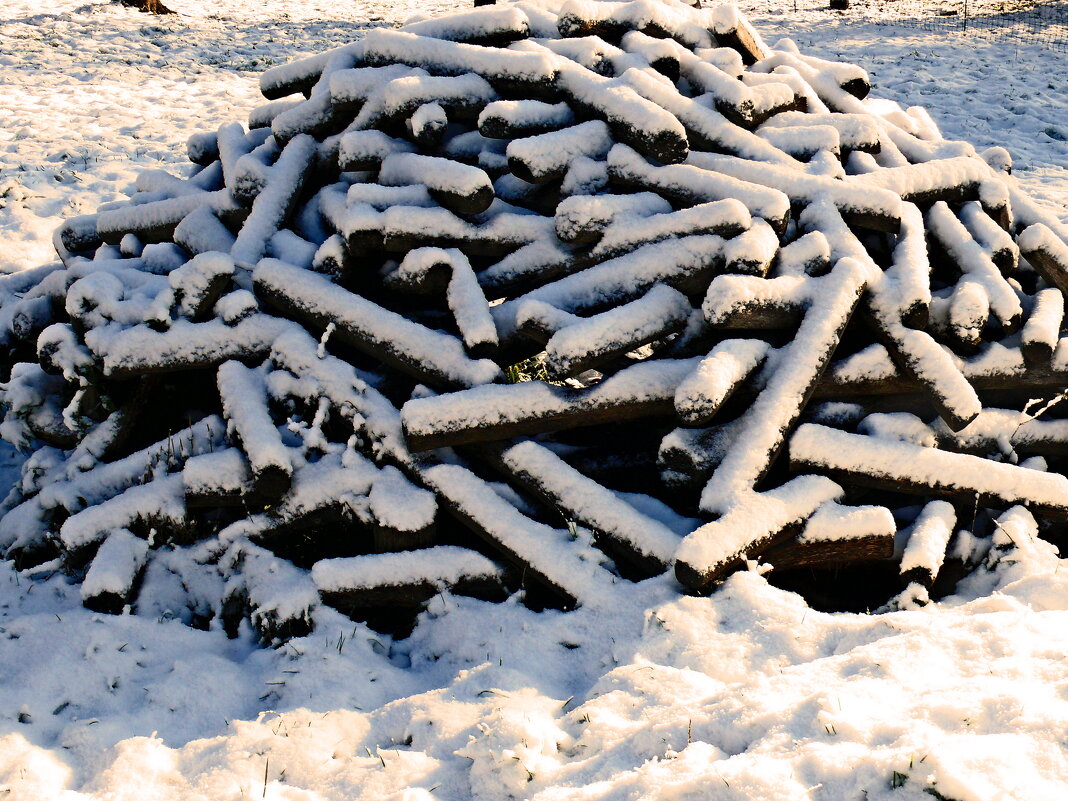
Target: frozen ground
{"type": "Point", "coordinates": [748, 695]}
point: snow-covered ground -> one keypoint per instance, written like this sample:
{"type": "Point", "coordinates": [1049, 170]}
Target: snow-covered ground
{"type": "Point", "coordinates": [746, 695]}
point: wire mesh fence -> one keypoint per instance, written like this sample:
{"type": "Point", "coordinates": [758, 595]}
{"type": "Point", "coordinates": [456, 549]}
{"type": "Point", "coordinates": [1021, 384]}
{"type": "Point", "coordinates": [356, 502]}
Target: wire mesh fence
{"type": "Point", "coordinates": [1037, 22]}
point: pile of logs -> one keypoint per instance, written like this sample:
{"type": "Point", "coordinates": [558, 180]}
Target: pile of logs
{"type": "Point", "coordinates": [540, 298]}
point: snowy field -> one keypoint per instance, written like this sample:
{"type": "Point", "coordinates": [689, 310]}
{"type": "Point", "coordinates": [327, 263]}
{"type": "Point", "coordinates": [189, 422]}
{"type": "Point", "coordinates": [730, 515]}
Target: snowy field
{"type": "Point", "coordinates": [747, 695]}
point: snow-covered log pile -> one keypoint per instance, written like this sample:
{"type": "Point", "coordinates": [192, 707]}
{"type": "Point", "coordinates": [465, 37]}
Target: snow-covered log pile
{"type": "Point", "coordinates": [542, 296]}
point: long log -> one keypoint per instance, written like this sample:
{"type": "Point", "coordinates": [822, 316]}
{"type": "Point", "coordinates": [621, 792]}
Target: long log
{"type": "Point", "coordinates": [502, 411]}
{"type": "Point", "coordinates": [914, 469]}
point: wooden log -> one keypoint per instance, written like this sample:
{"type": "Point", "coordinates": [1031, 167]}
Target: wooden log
{"type": "Point", "coordinates": [325, 496]}
{"type": "Point", "coordinates": [969, 312]}
{"type": "Point", "coordinates": [750, 526]}
{"type": "Point", "coordinates": [925, 547]}
{"type": "Point", "coordinates": [974, 264]}
{"type": "Point", "coordinates": [1006, 433]}
{"type": "Point", "coordinates": [201, 231]}
{"type": "Point", "coordinates": [809, 254]}
{"type": "Point", "coordinates": [516, 119]}
{"type": "Point", "coordinates": [919, 356]}
{"type": "Point", "coordinates": [1041, 332]}
{"type": "Point", "coordinates": [276, 201]}
{"type": "Point", "coordinates": [995, 367]}
{"type": "Point", "coordinates": [301, 75]}
{"type": "Point", "coordinates": [953, 180]}
{"type": "Point", "coordinates": [1047, 253]}
{"type": "Point", "coordinates": [688, 185]}
{"type": "Point", "coordinates": [159, 505]}
{"type": "Point", "coordinates": [431, 270]}
{"type": "Point", "coordinates": [647, 545]}
{"type": "Point", "coordinates": [837, 535]}
{"type": "Point", "coordinates": [686, 264]}
{"type": "Point", "coordinates": [687, 456]}
{"type": "Point", "coordinates": [751, 302]}
{"type": "Point", "coordinates": [722, 129]}
{"type": "Point", "coordinates": [429, 356]}
{"type": "Point", "coordinates": [458, 187]}
{"type": "Point", "coordinates": [221, 478]}
{"type": "Point", "coordinates": [584, 219]}
{"type": "Point", "coordinates": [76, 235]}
{"type": "Point", "coordinates": [913, 469]}
{"type": "Point", "coordinates": [547, 559]}
{"type": "Point", "coordinates": [856, 132]}
{"type": "Point", "coordinates": [730, 364]}
{"type": "Point", "coordinates": [725, 218]}
{"type": "Point", "coordinates": [193, 290]}
{"type": "Point", "coordinates": [365, 150]}
{"type": "Point", "coordinates": [733, 30]}
{"type": "Point", "coordinates": [531, 266]}
{"type": "Point", "coordinates": [868, 207]}
{"type": "Point", "coordinates": [586, 343]}
{"type": "Point", "coordinates": [244, 400]}
{"type": "Point", "coordinates": [547, 157]}
{"type": "Point", "coordinates": [156, 221]}
{"type": "Point", "coordinates": [427, 127]}
{"type": "Point", "coordinates": [994, 239]}
{"type": "Point", "coordinates": [25, 529]}
{"type": "Point", "coordinates": [138, 350]}
{"type": "Point", "coordinates": [502, 411]}
{"type": "Point", "coordinates": [404, 228]}
{"type": "Point", "coordinates": [403, 515]}
{"type": "Point", "coordinates": [357, 585]}
{"type": "Point", "coordinates": [111, 582]}
{"type": "Point", "coordinates": [492, 27]}
{"type": "Point", "coordinates": [613, 21]}
{"type": "Point", "coordinates": [278, 597]}
{"type": "Point", "coordinates": [508, 71]}
{"type": "Point", "coordinates": [766, 424]}
{"type": "Point", "coordinates": [203, 148]}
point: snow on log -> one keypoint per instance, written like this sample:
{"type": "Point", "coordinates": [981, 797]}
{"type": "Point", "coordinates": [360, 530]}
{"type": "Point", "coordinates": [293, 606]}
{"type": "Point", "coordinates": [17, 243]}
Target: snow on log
{"type": "Point", "coordinates": [752, 523]}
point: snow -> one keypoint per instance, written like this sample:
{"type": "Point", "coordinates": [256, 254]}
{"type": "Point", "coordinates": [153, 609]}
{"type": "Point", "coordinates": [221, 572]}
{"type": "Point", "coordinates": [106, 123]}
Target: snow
{"type": "Point", "coordinates": [750, 692]}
